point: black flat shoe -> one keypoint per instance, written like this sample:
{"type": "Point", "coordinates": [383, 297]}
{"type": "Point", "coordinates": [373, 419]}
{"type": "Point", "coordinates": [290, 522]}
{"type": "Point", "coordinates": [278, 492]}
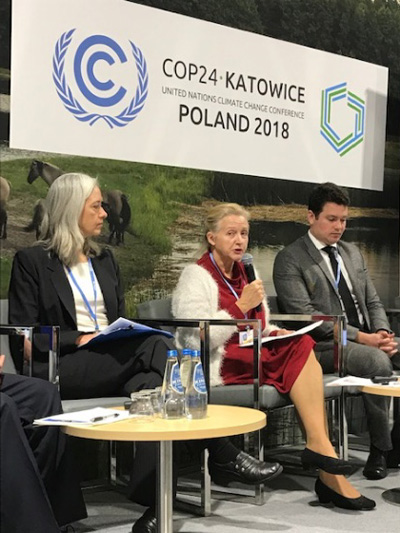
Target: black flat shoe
{"type": "Point", "coordinates": [375, 467]}
{"type": "Point", "coordinates": [327, 464]}
{"type": "Point", "coordinates": [327, 495]}
{"type": "Point", "coordinates": [147, 523]}
{"type": "Point", "coordinates": [245, 469]}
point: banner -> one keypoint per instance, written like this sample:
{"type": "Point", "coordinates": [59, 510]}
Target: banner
{"type": "Point", "coordinates": [113, 79]}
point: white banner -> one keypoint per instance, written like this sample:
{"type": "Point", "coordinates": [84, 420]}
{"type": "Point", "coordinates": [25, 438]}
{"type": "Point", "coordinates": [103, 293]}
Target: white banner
{"type": "Point", "coordinates": [112, 79]}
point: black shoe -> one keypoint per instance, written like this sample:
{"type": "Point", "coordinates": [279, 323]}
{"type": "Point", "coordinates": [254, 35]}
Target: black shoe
{"type": "Point", "coordinates": [147, 523]}
{"type": "Point", "coordinates": [375, 467]}
{"type": "Point", "coordinates": [245, 469]}
{"type": "Point", "coordinates": [327, 464]}
{"type": "Point", "coordinates": [327, 495]}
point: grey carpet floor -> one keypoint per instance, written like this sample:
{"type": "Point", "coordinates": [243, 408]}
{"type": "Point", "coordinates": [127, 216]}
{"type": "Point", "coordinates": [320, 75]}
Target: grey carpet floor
{"type": "Point", "coordinates": [290, 506]}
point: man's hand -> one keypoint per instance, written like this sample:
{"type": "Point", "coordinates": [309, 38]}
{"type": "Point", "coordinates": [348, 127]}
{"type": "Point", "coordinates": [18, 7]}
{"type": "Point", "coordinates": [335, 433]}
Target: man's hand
{"type": "Point", "coordinates": [2, 359]}
{"type": "Point", "coordinates": [381, 339]}
{"type": "Point", "coordinates": [252, 296]}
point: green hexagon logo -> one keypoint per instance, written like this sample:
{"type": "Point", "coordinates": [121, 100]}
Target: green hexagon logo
{"type": "Point", "coordinates": [342, 137]}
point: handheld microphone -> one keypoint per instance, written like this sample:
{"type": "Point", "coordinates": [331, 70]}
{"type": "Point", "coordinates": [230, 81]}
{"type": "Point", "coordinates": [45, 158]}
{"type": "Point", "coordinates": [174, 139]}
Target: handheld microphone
{"type": "Point", "coordinates": [247, 261]}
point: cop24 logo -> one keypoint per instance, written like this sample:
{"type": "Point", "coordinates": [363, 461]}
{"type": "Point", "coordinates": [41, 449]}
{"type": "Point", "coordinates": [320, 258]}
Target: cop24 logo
{"type": "Point", "coordinates": [343, 129]}
{"type": "Point", "coordinates": [98, 94]}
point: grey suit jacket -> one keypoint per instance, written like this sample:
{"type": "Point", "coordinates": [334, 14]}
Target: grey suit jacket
{"type": "Point", "coordinates": [304, 284]}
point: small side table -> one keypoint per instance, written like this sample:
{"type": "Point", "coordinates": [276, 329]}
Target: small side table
{"type": "Point", "coordinates": [221, 421]}
{"type": "Point", "coordinates": [390, 495]}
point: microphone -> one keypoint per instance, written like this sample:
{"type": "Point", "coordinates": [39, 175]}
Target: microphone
{"type": "Point", "coordinates": [247, 261]}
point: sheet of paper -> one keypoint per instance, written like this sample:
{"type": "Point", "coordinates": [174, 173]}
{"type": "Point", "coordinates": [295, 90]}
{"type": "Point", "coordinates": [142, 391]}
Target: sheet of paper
{"type": "Point", "coordinates": [301, 331]}
{"type": "Point", "coordinates": [121, 328]}
{"type": "Point", "coordinates": [95, 416]}
{"type": "Point", "coordinates": [354, 381]}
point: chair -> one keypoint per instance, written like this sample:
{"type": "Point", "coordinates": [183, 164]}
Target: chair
{"type": "Point", "coordinates": [263, 397]}
{"type": "Point", "coordinates": [17, 366]}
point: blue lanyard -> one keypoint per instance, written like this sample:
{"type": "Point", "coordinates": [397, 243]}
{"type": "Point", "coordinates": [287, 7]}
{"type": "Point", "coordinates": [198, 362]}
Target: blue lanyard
{"type": "Point", "coordinates": [85, 300]}
{"type": "Point", "coordinates": [224, 279]}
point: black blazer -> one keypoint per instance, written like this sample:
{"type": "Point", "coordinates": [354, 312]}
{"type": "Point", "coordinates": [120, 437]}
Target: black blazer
{"type": "Point", "coordinates": [40, 293]}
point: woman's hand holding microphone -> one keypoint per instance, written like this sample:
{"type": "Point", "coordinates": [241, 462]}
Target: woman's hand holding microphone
{"type": "Point", "coordinates": [252, 295]}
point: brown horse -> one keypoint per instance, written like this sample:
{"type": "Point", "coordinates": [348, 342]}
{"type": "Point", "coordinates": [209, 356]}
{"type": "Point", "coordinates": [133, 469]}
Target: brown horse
{"type": "Point", "coordinates": [46, 171]}
{"type": "Point", "coordinates": [118, 212]}
{"type": "Point", "coordinates": [49, 173]}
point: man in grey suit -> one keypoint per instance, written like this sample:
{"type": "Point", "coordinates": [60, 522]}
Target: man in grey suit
{"type": "Point", "coordinates": [320, 274]}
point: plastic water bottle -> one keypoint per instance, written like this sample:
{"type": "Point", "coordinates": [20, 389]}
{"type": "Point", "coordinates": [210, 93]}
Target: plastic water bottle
{"type": "Point", "coordinates": [186, 365]}
{"type": "Point", "coordinates": [196, 392]}
{"type": "Point", "coordinates": [173, 398]}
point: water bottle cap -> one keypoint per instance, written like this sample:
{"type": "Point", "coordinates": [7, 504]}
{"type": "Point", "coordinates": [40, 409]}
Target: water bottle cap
{"type": "Point", "coordinates": [172, 353]}
{"type": "Point", "coordinates": [196, 353]}
{"type": "Point", "coordinates": [186, 351]}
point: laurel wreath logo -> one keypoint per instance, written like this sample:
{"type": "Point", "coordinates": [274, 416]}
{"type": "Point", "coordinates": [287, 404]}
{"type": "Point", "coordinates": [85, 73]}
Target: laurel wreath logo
{"type": "Point", "coordinates": [71, 103]}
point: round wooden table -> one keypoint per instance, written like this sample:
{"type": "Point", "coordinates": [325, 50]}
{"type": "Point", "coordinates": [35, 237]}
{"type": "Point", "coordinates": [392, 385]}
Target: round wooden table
{"type": "Point", "coordinates": [221, 421]}
{"type": "Point", "coordinates": [390, 495]}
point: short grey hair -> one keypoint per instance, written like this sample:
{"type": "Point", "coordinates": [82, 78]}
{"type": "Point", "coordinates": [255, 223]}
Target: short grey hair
{"type": "Point", "coordinates": [64, 203]}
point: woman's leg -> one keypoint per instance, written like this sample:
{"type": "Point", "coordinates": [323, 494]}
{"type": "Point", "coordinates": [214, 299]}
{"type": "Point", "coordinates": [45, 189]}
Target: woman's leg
{"type": "Point", "coordinates": [114, 368]}
{"type": "Point", "coordinates": [307, 394]}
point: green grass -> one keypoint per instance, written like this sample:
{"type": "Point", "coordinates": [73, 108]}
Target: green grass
{"type": "Point", "coordinates": [154, 192]}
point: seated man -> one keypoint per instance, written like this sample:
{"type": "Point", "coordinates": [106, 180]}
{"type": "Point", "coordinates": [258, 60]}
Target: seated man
{"type": "Point", "coordinates": [39, 491]}
{"type": "Point", "coordinates": [320, 274]}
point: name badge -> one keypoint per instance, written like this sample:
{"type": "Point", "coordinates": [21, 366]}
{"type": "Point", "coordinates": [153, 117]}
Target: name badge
{"type": "Point", "coordinates": [245, 337]}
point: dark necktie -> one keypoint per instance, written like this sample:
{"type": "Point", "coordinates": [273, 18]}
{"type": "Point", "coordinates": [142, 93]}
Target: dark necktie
{"type": "Point", "coordinates": [344, 291]}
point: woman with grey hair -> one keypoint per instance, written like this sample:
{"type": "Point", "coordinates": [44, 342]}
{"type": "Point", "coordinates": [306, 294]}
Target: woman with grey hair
{"type": "Point", "coordinates": [67, 280]}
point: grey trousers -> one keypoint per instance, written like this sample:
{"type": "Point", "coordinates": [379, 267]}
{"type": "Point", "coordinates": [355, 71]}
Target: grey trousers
{"type": "Point", "coordinates": [367, 362]}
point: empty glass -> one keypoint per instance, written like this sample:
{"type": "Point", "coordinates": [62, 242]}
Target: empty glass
{"type": "Point", "coordinates": [141, 406]}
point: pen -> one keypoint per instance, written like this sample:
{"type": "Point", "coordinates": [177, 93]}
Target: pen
{"type": "Point", "coordinates": [105, 417]}
{"type": "Point", "coordinates": [63, 421]}
{"type": "Point", "coordinates": [384, 380]}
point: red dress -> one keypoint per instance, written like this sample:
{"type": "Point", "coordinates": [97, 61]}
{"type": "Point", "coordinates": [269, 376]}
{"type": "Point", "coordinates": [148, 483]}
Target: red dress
{"type": "Point", "coordinates": [281, 360]}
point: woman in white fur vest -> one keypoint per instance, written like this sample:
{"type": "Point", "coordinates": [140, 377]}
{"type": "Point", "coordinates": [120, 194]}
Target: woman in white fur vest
{"type": "Point", "coordinates": [216, 287]}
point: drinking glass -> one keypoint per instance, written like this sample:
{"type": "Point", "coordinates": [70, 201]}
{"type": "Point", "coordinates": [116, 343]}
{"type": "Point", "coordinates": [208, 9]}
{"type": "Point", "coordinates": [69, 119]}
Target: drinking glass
{"type": "Point", "coordinates": [141, 406]}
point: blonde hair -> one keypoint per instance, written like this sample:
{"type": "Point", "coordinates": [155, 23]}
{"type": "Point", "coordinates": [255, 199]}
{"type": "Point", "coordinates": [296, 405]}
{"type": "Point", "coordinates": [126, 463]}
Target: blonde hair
{"type": "Point", "coordinates": [64, 204]}
{"type": "Point", "coordinates": [214, 216]}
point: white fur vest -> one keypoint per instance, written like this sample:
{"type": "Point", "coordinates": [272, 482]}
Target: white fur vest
{"type": "Point", "coordinates": [196, 296]}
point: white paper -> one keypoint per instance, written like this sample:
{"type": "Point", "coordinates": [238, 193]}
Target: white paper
{"type": "Point", "coordinates": [120, 323]}
{"type": "Point", "coordinates": [95, 416]}
{"type": "Point", "coordinates": [301, 331]}
{"type": "Point", "coordinates": [122, 327]}
{"type": "Point", "coordinates": [354, 381]}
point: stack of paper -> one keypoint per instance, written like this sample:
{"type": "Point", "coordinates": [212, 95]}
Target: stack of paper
{"type": "Point", "coordinates": [97, 415]}
{"type": "Point", "coordinates": [354, 381]}
{"type": "Point", "coordinates": [273, 338]}
{"type": "Point", "coordinates": [121, 328]}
